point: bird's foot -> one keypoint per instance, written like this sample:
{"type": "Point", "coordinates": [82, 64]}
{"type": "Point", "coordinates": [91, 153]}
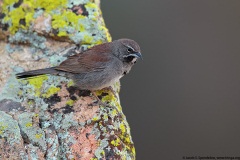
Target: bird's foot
{"type": "Point", "coordinates": [99, 101]}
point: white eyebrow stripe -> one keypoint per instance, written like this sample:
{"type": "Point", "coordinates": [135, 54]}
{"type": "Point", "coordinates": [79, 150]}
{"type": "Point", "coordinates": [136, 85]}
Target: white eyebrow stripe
{"type": "Point", "coordinates": [130, 47]}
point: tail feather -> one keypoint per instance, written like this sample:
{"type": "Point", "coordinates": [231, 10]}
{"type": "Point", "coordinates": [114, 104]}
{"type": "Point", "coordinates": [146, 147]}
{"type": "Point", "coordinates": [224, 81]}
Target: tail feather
{"type": "Point", "coordinates": [37, 72]}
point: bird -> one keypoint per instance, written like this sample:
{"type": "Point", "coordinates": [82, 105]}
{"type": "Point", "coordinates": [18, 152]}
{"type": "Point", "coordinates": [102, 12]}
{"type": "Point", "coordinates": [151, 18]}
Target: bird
{"type": "Point", "coordinates": [96, 68]}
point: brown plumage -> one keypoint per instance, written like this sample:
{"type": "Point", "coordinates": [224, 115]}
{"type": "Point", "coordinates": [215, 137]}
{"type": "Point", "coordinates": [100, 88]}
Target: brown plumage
{"type": "Point", "coordinates": [97, 67]}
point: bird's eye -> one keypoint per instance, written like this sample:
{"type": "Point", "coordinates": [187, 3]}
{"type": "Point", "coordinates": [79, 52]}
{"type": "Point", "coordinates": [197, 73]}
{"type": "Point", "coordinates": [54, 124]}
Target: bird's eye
{"type": "Point", "coordinates": [130, 50]}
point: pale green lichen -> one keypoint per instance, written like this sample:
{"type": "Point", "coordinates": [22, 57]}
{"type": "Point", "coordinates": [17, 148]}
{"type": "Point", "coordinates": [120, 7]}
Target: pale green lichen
{"type": "Point", "coordinates": [23, 36]}
{"type": "Point", "coordinates": [55, 59]}
{"type": "Point", "coordinates": [9, 129]}
{"type": "Point", "coordinates": [103, 143]}
{"type": "Point", "coordinates": [10, 89]}
{"type": "Point", "coordinates": [32, 132]}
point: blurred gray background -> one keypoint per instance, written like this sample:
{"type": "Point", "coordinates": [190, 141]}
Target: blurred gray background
{"type": "Point", "coordinates": [183, 99]}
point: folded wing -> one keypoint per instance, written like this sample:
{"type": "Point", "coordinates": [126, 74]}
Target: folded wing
{"type": "Point", "coordinates": [86, 62]}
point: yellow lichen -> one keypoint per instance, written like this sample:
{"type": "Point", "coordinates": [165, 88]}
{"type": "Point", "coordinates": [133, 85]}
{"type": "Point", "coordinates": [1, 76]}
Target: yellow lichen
{"type": "Point", "coordinates": [87, 39]}
{"type": "Point", "coordinates": [81, 28]}
{"type": "Point", "coordinates": [30, 102]}
{"type": "Point", "coordinates": [103, 28]}
{"type": "Point", "coordinates": [95, 118]}
{"type": "Point", "coordinates": [70, 102]}
{"type": "Point", "coordinates": [20, 92]}
{"type": "Point", "coordinates": [50, 5]}
{"type": "Point", "coordinates": [105, 116]}
{"type": "Point", "coordinates": [9, 2]}
{"type": "Point", "coordinates": [58, 21]}
{"type": "Point", "coordinates": [133, 151]}
{"type": "Point", "coordinates": [65, 19]}
{"type": "Point", "coordinates": [70, 83]}
{"type": "Point", "coordinates": [2, 128]}
{"type": "Point", "coordinates": [26, 11]}
{"type": "Point", "coordinates": [29, 124]}
{"type": "Point", "coordinates": [38, 136]}
{"type": "Point", "coordinates": [102, 152]}
{"type": "Point", "coordinates": [118, 106]}
{"type": "Point", "coordinates": [37, 83]}
{"type": "Point", "coordinates": [122, 127]}
{"type": "Point", "coordinates": [98, 42]}
{"type": "Point", "coordinates": [127, 139]}
{"type": "Point", "coordinates": [15, 15]}
{"type": "Point", "coordinates": [114, 112]}
{"type": "Point", "coordinates": [110, 97]}
{"type": "Point", "coordinates": [51, 91]}
{"type": "Point", "coordinates": [91, 5]}
{"type": "Point", "coordinates": [116, 142]}
{"type": "Point", "coordinates": [62, 33]}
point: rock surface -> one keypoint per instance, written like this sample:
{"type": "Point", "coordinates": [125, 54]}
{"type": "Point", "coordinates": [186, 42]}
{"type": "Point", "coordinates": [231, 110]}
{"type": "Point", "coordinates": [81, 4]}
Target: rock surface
{"type": "Point", "coordinates": [46, 117]}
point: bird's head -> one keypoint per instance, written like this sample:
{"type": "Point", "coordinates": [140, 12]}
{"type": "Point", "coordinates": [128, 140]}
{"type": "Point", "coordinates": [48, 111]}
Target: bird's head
{"type": "Point", "coordinates": [127, 50]}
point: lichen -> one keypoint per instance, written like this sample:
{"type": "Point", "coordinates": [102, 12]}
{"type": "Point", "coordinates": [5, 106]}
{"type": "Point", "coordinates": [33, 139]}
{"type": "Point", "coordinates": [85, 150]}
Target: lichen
{"type": "Point", "coordinates": [70, 102]}
{"type": "Point", "coordinates": [52, 90]}
{"type": "Point", "coordinates": [70, 83]}
{"type": "Point", "coordinates": [116, 142]}
{"type": "Point", "coordinates": [50, 5]}
{"type": "Point", "coordinates": [66, 23]}
{"type": "Point", "coordinates": [28, 124]}
{"type": "Point", "coordinates": [23, 36]}
{"type": "Point", "coordinates": [33, 133]}
{"type": "Point", "coordinates": [9, 128]}
{"type": "Point", "coordinates": [122, 127]}
{"type": "Point", "coordinates": [10, 89]}
{"type": "Point", "coordinates": [37, 83]}
{"type": "Point", "coordinates": [96, 118]}
{"type": "Point", "coordinates": [38, 136]}
{"type": "Point", "coordinates": [43, 95]}
{"type": "Point", "coordinates": [2, 128]}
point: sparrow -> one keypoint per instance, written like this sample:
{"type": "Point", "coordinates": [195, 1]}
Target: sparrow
{"type": "Point", "coordinates": [96, 68]}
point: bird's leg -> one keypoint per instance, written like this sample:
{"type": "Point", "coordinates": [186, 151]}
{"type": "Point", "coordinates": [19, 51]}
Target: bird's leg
{"type": "Point", "coordinates": [113, 92]}
{"type": "Point", "coordinates": [105, 104]}
{"type": "Point", "coordinates": [99, 100]}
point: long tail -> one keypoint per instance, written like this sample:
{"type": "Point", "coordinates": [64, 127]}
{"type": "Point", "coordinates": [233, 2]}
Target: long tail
{"type": "Point", "coordinates": [36, 72]}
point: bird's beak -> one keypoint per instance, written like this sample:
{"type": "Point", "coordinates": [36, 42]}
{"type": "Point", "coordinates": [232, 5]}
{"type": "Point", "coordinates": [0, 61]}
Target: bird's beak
{"type": "Point", "coordinates": [137, 54]}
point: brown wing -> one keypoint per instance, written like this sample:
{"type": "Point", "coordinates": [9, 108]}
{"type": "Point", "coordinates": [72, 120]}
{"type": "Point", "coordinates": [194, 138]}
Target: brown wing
{"type": "Point", "coordinates": [89, 61]}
